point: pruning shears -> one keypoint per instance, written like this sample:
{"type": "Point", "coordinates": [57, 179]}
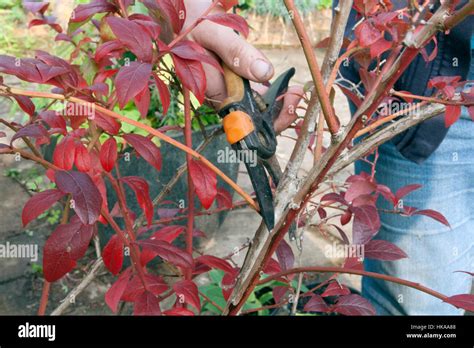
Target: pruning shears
{"type": "Point", "coordinates": [248, 124]}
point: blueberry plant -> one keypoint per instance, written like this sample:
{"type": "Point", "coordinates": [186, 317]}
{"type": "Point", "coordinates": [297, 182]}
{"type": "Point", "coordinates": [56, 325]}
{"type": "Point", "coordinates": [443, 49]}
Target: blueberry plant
{"type": "Point", "coordinates": [125, 61]}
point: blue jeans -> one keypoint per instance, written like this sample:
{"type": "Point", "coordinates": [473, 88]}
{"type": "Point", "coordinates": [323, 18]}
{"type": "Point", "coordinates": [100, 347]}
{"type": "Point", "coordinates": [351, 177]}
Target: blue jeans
{"type": "Point", "coordinates": [435, 252]}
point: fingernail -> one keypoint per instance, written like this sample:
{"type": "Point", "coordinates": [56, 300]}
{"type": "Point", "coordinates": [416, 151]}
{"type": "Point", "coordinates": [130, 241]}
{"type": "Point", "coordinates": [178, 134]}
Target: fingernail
{"type": "Point", "coordinates": [261, 69]}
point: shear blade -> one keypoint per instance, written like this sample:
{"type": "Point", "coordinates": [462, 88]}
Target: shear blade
{"type": "Point", "coordinates": [261, 185]}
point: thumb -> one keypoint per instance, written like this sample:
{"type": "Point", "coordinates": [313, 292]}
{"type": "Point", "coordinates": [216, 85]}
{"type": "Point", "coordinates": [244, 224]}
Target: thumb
{"type": "Point", "coordinates": [244, 59]}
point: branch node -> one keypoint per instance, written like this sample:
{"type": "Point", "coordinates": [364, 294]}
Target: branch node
{"type": "Point", "coordinates": [293, 205]}
{"type": "Point", "coordinates": [337, 137]}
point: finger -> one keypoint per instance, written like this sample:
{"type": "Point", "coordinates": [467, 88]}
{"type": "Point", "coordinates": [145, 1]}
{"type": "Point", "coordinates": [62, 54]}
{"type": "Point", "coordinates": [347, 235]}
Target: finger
{"type": "Point", "coordinates": [288, 113]}
{"type": "Point", "coordinates": [215, 90]}
{"type": "Point", "coordinates": [238, 54]}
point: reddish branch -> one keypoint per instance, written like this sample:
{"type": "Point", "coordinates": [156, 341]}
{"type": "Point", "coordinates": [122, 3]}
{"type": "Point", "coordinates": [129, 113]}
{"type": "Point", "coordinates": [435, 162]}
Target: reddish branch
{"type": "Point", "coordinates": [323, 97]}
{"type": "Point", "coordinates": [44, 298]}
{"type": "Point", "coordinates": [459, 15]}
{"type": "Point", "coordinates": [432, 99]}
{"type": "Point", "coordinates": [189, 143]}
{"type": "Point", "coordinates": [357, 272]}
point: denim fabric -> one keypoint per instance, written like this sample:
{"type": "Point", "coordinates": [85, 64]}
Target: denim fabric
{"type": "Point", "coordinates": [435, 251]}
{"type": "Point", "coordinates": [418, 143]}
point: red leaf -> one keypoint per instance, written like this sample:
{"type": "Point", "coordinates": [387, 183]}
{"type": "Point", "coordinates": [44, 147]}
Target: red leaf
{"type": "Point", "coordinates": [32, 131]}
{"type": "Point", "coordinates": [178, 312]}
{"type": "Point", "coordinates": [146, 256]}
{"type": "Point", "coordinates": [142, 192]}
{"type": "Point", "coordinates": [108, 154]}
{"type": "Point", "coordinates": [64, 247]}
{"type": "Point", "coordinates": [86, 196]}
{"type": "Point", "coordinates": [83, 12]}
{"type": "Point", "coordinates": [353, 305]}
{"type": "Point", "coordinates": [402, 192]}
{"type": "Point", "coordinates": [113, 255]}
{"type": "Point", "coordinates": [205, 182]}
{"type": "Point", "coordinates": [164, 92]}
{"type": "Point", "coordinates": [145, 148]}
{"type": "Point", "coordinates": [322, 213]}
{"type": "Point", "coordinates": [106, 48]}
{"type": "Point", "coordinates": [367, 34]}
{"type": "Point", "coordinates": [142, 101]}
{"type": "Point", "coordinates": [387, 194]}
{"type": "Point", "coordinates": [147, 24]}
{"type": "Point", "coordinates": [341, 233]}
{"type": "Point", "coordinates": [333, 197]}
{"type": "Point", "coordinates": [132, 35]}
{"type": "Point", "coordinates": [54, 121]}
{"type": "Point", "coordinates": [135, 287]}
{"type": "Point", "coordinates": [228, 283]}
{"type": "Point", "coordinates": [64, 153]}
{"type": "Point", "coordinates": [434, 52]}
{"type": "Point", "coordinates": [190, 50]}
{"type": "Point", "coordinates": [316, 304]}
{"type": "Point", "coordinates": [215, 262]}
{"type": "Point", "coordinates": [188, 292]}
{"type": "Point", "coordinates": [434, 215]}
{"type": "Point", "coordinates": [346, 217]}
{"type": "Point", "coordinates": [228, 4]}
{"type": "Point", "coordinates": [107, 123]}
{"type": "Point", "coordinates": [462, 301]}
{"type": "Point", "coordinates": [324, 43]}
{"type": "Point", "coordinates": [272, 267]}
{"type": "Point", "coordinates": [38, 204]}
{"type": "Point", "coordinates": [379, 47]}
{"type": "Point", "coordinates": [172, 10]}
{"type": "Point", "coordinates": [36, 7]}
{"type": "Point", "coordinates": [230, 20]}
{"type": "Point", "coordinates": [353, 263]}
{"type": "Point", "coordinates": [82, 159]}
{"type": "Point", "coordinates": [168, 233]}
{"type": "Point", "coordinates": [147, 304]}
{"type": "Point", "coordinates": [115, 292]}
{"type": "Point", "coordinates": [359, 188]}
{"type": "Point", "coordinates": [441, 82]}
{"type": "Point", "coordinates": [131, 80]}
{"type": "Point", "coordinates": [224, 199]}
{"type": "Point", "coordinates": [279, 292]}
{"type": "Point", "coordinates": [383, 250]}
{"type": "Point", "coordinates": [168, 252]}
{"type": "Point", "coordinates": [452, 114]}
{"type": "Point", "coordinates": [366, 223]}
{"type": "Point", "coordinates": [285, 255]}
{"type": "Point", "coordinates": [335, 289]}
{"type": "Point", "coordinates": [192, 76]}
{"type": "Point", "coordinates": [25, 104]}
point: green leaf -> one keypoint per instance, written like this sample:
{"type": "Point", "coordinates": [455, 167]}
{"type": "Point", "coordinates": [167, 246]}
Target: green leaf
{"type": "Point", "coordinates": [216, 276]}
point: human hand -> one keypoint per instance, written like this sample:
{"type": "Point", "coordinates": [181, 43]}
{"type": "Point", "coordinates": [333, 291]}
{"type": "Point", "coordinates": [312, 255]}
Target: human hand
{"type": "Point", "coordinates": [244, 59]}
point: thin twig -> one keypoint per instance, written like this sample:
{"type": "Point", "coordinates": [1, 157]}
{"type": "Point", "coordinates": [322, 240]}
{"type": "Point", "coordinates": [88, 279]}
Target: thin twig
{"type": "Point", "coordinates": [71, 297]}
